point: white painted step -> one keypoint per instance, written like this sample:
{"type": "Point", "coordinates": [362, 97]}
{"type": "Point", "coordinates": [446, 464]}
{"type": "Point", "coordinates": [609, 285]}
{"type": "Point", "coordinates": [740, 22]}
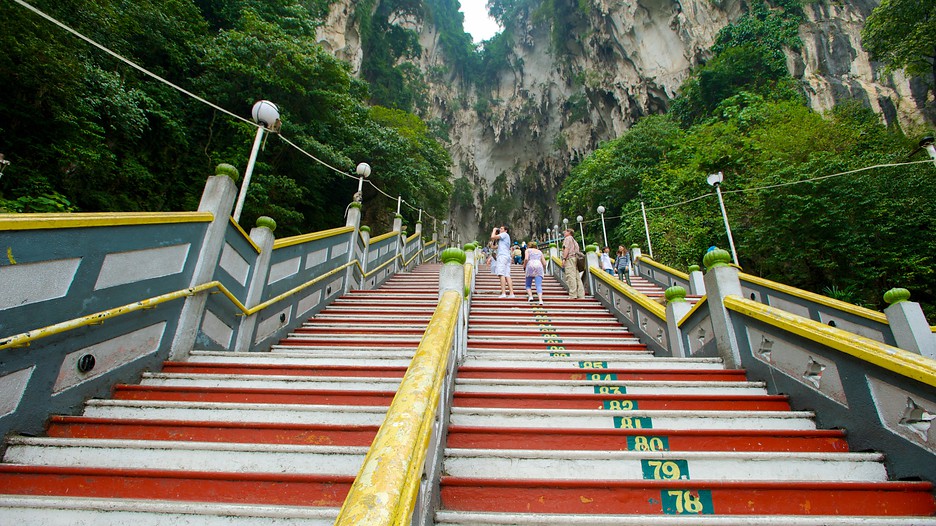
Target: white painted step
{"type": "Point", "coordinates": [509, 354]}
{"type": "Point", "coordinates": [221, 412]}
{"type": "Point", "coordinates": [557, 362]}
{"type": "Point", "coordinates": [189, 456]}
{"type": "Point", "coordinates": [72, 511]}
{"type": "Point", "coordinates": [484, 385]}
{"type": "Point", "coordinates": [260, 381]}
{"type": "Point", "coordinates": [366, 310]}
{"type": "Point", "coordinates": [304, 355]}
{"type": "Point", "coordinates": [389, 318]}
{"type": "Point", "coordinates": [375, 339]}
{"type": "Point", "coordinates": [611, 332]}
{"type": "Point", "coordinates": [459, 518]}
{"type": "Point", "coordinates": [609, 419]}
{"type": "Point", "coordinates": [314, 356]}
{"type": "Point", "coordinates": [538, 338]}
{"type": "Point", "coordinates": [663, 465]}
{"type": "Point", "coordinates": [586, 321]}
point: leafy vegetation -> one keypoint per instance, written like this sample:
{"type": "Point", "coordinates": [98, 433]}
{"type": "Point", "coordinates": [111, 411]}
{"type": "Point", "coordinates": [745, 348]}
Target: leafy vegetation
{"type": "Point", "coordinates": [902, 34]}
{"type": "Point", "coordinates": [85, 132]}
{"type": "Point", "coordinates": [852, 236]}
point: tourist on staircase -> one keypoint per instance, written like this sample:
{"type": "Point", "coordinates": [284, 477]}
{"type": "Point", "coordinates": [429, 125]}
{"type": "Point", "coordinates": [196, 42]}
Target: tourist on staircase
{"type": "Point", "coordinates": [570, 255]}
{"type": "Point", "coordinates": [622, 264]}
{"type": "Point", "coordinates": [533, 266]}
{"type": "Point", "coordinates": [606, 261]}
{"type": "Point", "coordinates": [501, 265]}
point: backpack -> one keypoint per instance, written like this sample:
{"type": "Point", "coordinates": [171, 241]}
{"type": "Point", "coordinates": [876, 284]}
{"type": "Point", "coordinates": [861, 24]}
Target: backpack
{"type": "Point", "coordinates": [580, 262]}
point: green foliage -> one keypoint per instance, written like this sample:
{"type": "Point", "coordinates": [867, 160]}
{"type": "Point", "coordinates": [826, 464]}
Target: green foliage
{"type": "Point", "coordinates": [463, 193]}
{"type": "Point", "coordinates": [86, 132]}
{"type": "Point", "coordinates": [902, 35]}
{"type": "Point", "coordinates": [388, 48]}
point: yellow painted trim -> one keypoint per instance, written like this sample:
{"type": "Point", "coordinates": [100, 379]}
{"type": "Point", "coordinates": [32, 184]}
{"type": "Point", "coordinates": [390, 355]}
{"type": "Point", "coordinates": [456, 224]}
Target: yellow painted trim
{"type": "Point", "coordinates": [82, 220]}
{"type": "Point", "coordinates": [245, 234]}
{"type": "Point", "coordinates": [697, 306]}
{"type": "Point", "coordinates": [411, 238]}
{"type": "Point", "coordinates": [23, 339]}
{"type": "Point", "coordinates": [905, 363]}
{"type": "Point", "coordinates": [655, 308]}
{"type": "Point", "coordinates": [468, 270]}
{"type": "Point", "coordinates": [380, 238]}
{"type": "Point", "coordinates": [384, 491]}
{"type": "Point", "coordinates": [816, 298]}
{"type": "Point", "coordinates": [416, 255]}
{"type": "Point", "coordinates": [314, 236]}
{"type": "Point", "coordinates": [427, 243]}
{"type": "Point", "coordinates": [372, 272]}
{"type": "Point", "coordinates": [661, 266]}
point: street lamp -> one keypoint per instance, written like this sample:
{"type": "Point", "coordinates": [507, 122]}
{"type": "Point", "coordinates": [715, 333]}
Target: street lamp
{"type": "Point", "coordinates": [3, 164]}
{"type": "Point", "coordinates": [363, 171]}
{"type": "Point", "coordinates": [601, 211]}
{"type": "Point", "coordinates": [581, 230]}
{"type": "Point", "coordinates": [556, 232]}
{"type": "Point", "coordinates": [266, 114]}
{"type": "Point", "coordinates": [716, 180]}
{"type": "Point", "coordinates": [927, 143]}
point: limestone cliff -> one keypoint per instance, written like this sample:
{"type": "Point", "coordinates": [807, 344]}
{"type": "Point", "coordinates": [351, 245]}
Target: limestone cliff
{"type": "Point", "coordinates": [562, 92]}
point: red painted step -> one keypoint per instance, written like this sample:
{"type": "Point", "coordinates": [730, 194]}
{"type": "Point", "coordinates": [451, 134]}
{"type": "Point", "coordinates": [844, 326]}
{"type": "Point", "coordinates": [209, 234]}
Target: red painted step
{"type": "Point", "coordinates": [654, 497]}
{"type": "Point", "coordinates": [410, 343]}
{"type": "Point", "coordinates": [575, 439]}
{"type": "Point", "coordinates": [571, 373]}
{"type": "Point", "coordinates": [241, 395]}
{"type": "Point", "coordinates": [475, 345]}
{"type": "Point", "coordinates": [192, 486]}
{"type": "Point", "coordinates": [536, 330]}
{"type": "Point", "coordinates": [191, 431]}
{"type": "Point", "coordinates": [285, 370]}
{"type": "Point", "coordinates": [634, 402]}
{"type": "Point", "coordinates": [375, 331]}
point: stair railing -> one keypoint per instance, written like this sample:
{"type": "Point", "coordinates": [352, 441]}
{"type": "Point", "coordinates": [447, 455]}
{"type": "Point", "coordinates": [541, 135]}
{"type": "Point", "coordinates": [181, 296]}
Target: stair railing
{"type": "Point", "coordinates": [403, 465]}
{"type": "Point", "coordinates": [73, 324]}
{"type": "Point", "coordinates": [884, 395]}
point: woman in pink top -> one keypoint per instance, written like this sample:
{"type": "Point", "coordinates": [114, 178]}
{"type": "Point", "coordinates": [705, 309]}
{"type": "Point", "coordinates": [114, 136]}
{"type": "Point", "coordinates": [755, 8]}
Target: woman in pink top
{"type": "Point", "coordinates": [533, 264]}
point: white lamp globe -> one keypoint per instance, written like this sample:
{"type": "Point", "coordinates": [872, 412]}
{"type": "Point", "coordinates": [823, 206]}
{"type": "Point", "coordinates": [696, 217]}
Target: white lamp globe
{"type": "Point", "coordinates": [265, 112]}
{"type": "Point", "coordinates": [363, 170]}
{"type": "Point", "coordinates": [601, 209]}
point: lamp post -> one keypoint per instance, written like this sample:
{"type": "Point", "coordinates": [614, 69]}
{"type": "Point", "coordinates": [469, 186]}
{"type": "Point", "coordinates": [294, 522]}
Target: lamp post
{"type": "Point", "coordinates": [444, 229]}
{"type": "Point", "coordinates": [267, 115]}
{"type": "Point", "coordinates": [556, 233]}
{"type": "Point", "coordinates": [565, 224]}
{"type": "Point", "coordinates": [3, 164]}
{"type": "Point", "coordinates": [601, 211]}
{"type": "Point", "coordinates": [363, 171]}
{"type": "Point", "coordinates": [716, 180]}
{"type": "Point", "coordinates": [643, 211]}
{"type": "Point", "coordinates": [581, 230]}
{"type": "Point", "coordinates": [927, 143]}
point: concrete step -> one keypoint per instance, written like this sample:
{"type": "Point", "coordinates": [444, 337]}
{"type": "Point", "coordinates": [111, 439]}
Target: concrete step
{"type": "Point", "coordinates": [232, 412]}
{"type": "Point", "coordinates": [264, 395]}
{"type": "Point", "coordinates": [208, 431]}
{"type": "Point", "coordinates": [493, 385]}
{"type": "Point", "coordinates": [672, 497]}
{"type": "Point", "coordinates": [555, 439]}
{"type": "Point", "coordinates": [504, 371]}
{"type": "Point", "coordinates": [188, 456]}
{"type": "Point", "coordinates": [464, 518]}
{"type": "Point", "coordinates": [663, 465]}
{"type": "Point", "coordinates": [628, 402]}
{"type": "Point", "coordinates": [247, 381]}
{"type": "Point", "coordinates": [640, 361]}
{"type": "Point", "coordinates": [291, 365]}
{"type": "Point", "coordinates": [26, 510]}
{"type": "Point", "coordinates": [639, 419]}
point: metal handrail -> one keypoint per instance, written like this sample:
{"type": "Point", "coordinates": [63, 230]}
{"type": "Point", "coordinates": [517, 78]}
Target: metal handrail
{"type": "Point", "coordinates": [392, 469]}
{"type": "Point", "coordinates": [23, 339]}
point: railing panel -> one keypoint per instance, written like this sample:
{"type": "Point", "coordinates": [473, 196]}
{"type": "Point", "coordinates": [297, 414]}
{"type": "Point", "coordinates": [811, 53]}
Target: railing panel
{"type": "Point", "coordinates": [380, 258]}
{"type": "Point", "coordinates": [698, 335]}
{"type": "Point", "coordinates": [881, 394]}
{"type": "Point", "coordinates": [642, 316]}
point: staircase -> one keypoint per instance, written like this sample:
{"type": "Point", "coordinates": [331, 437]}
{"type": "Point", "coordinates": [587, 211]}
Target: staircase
{"type": "Point", "coordinates": [561, 416]}
{"type": "Point", "coordinates": [230, 438]}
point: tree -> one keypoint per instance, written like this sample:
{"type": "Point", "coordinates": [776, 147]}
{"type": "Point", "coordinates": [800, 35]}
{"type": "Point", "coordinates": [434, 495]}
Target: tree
{"type": "Point", "coordinates": [902, 35]}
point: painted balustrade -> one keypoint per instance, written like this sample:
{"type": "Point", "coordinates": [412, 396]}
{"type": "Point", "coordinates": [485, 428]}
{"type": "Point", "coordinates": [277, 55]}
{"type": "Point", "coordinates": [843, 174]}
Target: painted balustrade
{"type": "Point", "coordinates": [90, 300]}
{"type": "Point", "coordinates": [849, 371]}
{"type": "Point", "coordinates": [403, 464]}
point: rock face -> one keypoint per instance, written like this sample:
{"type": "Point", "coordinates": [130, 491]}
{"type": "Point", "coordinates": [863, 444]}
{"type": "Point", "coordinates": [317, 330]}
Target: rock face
{"type": "Point", "coordinates": [560, 97]}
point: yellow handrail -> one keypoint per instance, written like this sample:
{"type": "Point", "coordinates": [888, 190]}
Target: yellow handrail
{"type": "Point", "coordinates": [94, 219]}
{"type": "Point", "coordinates": [902, 362]}
{"type": "Point", "coordinates": [468, 270]}
{"type": "Point", "coordinates": [703, 300]}
{"type": "Point", "coordinates": [386, 486]}
{"type": "Point", "coordinates": [313, 236]}
{"type": "Point", "coordinates": [653, 263]}
{"type": "Point", "coordinates": [655, 308]}
{"type": "Point", "coordinates": [19, 340]}
{"type": "Point", "coordinates": [383, 236]}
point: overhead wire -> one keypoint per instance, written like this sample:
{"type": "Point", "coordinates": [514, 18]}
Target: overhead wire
{"type": "Point", "coordinates": [180, 89]}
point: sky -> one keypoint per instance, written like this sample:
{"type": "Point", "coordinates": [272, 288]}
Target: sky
{"type": "Point", "coordinates": [477, 22]}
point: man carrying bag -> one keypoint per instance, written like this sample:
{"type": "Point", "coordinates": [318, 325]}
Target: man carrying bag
{"type": "Point", "coordinates": [571, 256]}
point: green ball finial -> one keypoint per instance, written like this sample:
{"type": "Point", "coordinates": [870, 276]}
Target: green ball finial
{"type": "Point", "coordinates": [896, 295]}
{"type": "Point", "coordinates": [469, 247]}
{"type": "Point", "coordinates": [398, 216]}
{"type": "Point", "coordinates": [355, 204]}
{"type": "Point", "coordinates": [591, 248]}
{"type": "Point", "coordinates": [365, 228]}
{"type": "Point", "coordinates": [268, 222]}
{"type": "Point", "coordinates": [716, 258]}
{"type": "Point", "coordinates": [553, 245]}
{"type": "Point", "coordinates": [453, 255]}
{"type": "Point", "coordinates": [635, 245]}
{"type": "Point", "coordinates": [675, 294]}
{"type": "Point", "coordinates": [228, 170]}
{"type": "Point", "coordinates": [694, 268]}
